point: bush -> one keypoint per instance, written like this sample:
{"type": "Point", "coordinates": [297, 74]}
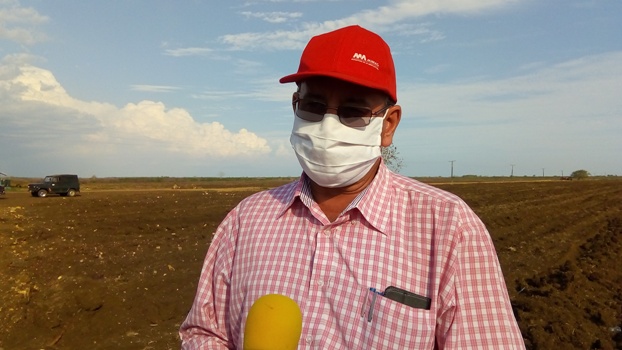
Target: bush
{"type": "Point", "coordinates": [580, 174]}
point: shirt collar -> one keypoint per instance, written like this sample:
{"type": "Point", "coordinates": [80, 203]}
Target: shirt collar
{"type": "Point", "coordinates": [374, 203]}
{"type": "Point", "coordinates": [294, 192]}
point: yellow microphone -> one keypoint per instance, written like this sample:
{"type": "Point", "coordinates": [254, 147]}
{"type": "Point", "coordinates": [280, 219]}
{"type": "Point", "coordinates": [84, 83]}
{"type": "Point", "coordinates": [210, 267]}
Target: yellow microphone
{"type": "Point", "coordinates": [274, 322]}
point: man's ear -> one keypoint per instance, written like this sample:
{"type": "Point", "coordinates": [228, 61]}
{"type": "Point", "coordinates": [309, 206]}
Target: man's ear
{"type": "Point", "coordinates": [391, 121]}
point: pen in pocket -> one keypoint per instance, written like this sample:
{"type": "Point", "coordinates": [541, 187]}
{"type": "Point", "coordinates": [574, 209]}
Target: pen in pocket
{"type": "Point", "coordinates": [374, 294]}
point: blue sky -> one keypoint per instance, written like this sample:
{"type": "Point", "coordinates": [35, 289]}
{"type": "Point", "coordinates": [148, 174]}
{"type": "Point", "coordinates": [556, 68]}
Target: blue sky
{"type": "Point", "coordinates": [190, 88]}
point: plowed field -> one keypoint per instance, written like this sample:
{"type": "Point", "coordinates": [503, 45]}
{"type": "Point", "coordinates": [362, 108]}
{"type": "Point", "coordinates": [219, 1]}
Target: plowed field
{"type": "Point", "coordinates": [117, 266]}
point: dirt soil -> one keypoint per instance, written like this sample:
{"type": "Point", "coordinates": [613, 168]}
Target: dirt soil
{"type": "Point", "coordinates": [117, 267]}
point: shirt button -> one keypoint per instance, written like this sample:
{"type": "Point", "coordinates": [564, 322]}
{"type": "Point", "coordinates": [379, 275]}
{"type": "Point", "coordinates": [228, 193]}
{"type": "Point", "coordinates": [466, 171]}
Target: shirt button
{"type": "Point", "coordinates": [320, 283]}
{"type": "Point", "coordinates": [327, 232]}
{"type": "Point", "coordinates": [309, 339]}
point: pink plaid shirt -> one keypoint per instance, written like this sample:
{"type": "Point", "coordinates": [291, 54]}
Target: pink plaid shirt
{"type": "Point", "coordinates": [399, 232]}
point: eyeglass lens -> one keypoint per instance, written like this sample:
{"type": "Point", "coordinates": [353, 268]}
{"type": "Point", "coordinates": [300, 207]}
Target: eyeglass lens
{"type": "Point", "coordinates": [313, 111]}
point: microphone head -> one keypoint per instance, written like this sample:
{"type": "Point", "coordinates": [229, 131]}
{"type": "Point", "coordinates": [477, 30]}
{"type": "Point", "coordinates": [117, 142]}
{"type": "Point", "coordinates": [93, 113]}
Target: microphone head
{"type": "Point", "coordinates": [274, 322]}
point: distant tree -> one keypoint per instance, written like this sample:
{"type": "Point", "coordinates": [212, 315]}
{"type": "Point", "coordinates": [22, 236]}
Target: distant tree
{"type": "Point", "coordinates": [580, 174]}
{"type": "Point", "coordinates": [392, 158]}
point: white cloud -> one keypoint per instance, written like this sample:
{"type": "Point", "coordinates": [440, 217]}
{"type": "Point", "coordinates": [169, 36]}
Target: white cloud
{"type": "Point", "coordinates": [17, 23]}
{"type": "Point", "coordinates": [188, 51]}
{"type": "Point", "coordinates": [214, 95]}
{"type": "Point", "coordinates": [420, 30]}
{"type": "Point", "coordinates": [381, 19]}
{"type": "Point", "coordinates": [278, 40]}
{"type": "Point", "coordinates": [408, 8]}
{"type": "Point", "coordinates": [34, 102]}
{"type": "Point", "coordinates": [581, 89]}
{"type": "Point", "coordinates": [153, 88]}
{"type": "Point", "coordinates": [272, 17]}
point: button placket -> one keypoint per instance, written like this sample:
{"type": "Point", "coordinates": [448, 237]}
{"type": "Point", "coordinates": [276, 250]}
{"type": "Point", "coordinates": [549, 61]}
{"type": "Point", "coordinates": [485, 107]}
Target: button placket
{"type": "Point", "coordinates": [320, 273]}
{"type": "Point", "coordinates": [329, 231]}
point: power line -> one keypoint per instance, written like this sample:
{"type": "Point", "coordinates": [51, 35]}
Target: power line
{"type": "Point", "coordinates": [452, 167]}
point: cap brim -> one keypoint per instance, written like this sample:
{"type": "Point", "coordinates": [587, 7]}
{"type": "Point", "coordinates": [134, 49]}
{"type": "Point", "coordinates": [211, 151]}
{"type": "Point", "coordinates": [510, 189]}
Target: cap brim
{"type": "Point", "coordinates": [298, 77]}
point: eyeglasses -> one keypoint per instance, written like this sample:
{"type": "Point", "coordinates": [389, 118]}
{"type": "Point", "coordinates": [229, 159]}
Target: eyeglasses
{"type": "Point", "coordinates": [352, 116]}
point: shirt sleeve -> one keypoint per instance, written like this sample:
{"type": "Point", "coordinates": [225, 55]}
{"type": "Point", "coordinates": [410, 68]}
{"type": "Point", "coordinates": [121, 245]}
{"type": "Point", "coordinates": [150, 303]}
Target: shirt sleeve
{"type": "Point", "coordinates": [205, 327]}
{"type": "Point", "coordinates": [478, 313]}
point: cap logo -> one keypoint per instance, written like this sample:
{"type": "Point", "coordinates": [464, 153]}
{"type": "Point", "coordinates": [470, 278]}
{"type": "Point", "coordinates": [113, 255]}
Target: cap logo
{"type": "Point", "coordinates": [362, 58]}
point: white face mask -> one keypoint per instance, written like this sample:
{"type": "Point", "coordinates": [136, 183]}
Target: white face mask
{"type": "Point", "coordinates": [335, 155]}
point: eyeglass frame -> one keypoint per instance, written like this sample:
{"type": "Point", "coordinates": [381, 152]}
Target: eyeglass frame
{"type": "Point", "coordinates": [366, 119]}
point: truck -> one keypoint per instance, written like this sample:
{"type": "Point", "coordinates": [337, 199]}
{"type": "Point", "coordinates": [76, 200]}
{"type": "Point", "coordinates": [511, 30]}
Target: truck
{"type": "Point", "coordinates": [62, 184]}
{"type": "Point", "coordinates": [4, 182]}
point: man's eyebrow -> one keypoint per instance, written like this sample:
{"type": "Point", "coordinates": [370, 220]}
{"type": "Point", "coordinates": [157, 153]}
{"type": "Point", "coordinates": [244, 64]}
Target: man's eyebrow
{"type": "Point", "coordinates": [351, 99]}
{"type": "Point", "coordinates": [314, 96]}
{"type": "Point", "coordinates": [357, 100]}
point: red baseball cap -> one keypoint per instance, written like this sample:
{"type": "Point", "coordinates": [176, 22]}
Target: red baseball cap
{"type": "Point", "coordinates": [353, 54]}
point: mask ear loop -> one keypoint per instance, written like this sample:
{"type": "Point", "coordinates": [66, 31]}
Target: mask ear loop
{"type": "Point", "coordinates": [384, 116]}
{"type": "Point", "coordinates": [385, 113]}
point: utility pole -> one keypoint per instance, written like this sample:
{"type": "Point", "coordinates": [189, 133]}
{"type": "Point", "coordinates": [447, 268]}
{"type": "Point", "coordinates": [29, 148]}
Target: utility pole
{"type": "Point", "coordinates": [452, 168]}
{"type": "Point", "coordinates": [512, 173]}
{"type": "Point", "coordinates": [542, 172]}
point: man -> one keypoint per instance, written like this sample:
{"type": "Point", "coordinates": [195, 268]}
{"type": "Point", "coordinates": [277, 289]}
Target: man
{"type": "Point", "coordinates": [374, 260]}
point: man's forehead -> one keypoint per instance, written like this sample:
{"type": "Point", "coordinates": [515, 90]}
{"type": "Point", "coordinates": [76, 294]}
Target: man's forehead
{"type": "Point", "coordinates": [326, 85]}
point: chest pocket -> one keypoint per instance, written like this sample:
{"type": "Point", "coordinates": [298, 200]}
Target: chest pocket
{"type": "Point", "coordinates": [394, 325]}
